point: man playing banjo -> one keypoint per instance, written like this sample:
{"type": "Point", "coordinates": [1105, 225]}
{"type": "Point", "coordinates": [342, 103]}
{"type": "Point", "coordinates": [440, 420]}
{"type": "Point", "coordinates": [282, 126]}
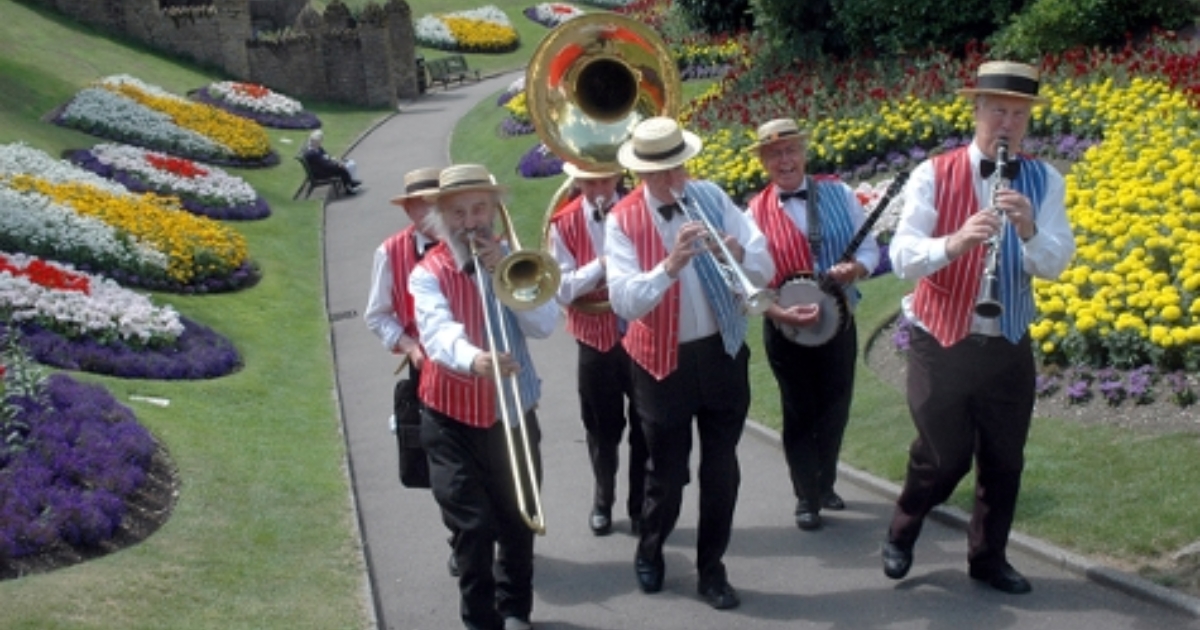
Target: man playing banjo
{"type": "Point", "coordinates": [811, 342]}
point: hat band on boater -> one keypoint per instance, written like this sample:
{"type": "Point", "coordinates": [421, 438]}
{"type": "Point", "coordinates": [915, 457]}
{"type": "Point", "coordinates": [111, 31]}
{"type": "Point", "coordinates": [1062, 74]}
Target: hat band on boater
{"type": "Point", "coordinates": [662, 155]}
{"type": "Point", "coordinates": [1008, 83]}
{"type": "Point", "coordinates": [467, 182]}
{"type": "Point", "coordinates": [428, 184]}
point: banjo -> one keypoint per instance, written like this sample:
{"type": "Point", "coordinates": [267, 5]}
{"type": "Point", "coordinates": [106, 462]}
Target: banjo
{"type": "Point", "coordinates": [822, 290]}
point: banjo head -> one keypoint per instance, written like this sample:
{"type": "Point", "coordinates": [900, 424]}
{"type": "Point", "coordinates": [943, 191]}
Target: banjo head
{"type": "Point", "coordinates": [807, 291]}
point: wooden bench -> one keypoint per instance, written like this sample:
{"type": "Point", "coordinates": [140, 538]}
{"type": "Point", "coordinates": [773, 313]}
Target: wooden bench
{"type": "Point", "coordinates": [311, 182]}
{"type": "Point", "coordinates": [448, 69]}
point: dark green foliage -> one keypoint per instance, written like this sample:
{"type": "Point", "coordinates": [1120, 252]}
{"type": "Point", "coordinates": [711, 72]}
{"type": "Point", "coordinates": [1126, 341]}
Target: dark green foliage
{"type": "Point", "coordinates": [717, 16]}
{"type": "Point", "coordinates": [798, 29]}
{"type": "Point", "coordinates": [1056, 25]}
{"type": "Point", "coordinates": [886, 26]}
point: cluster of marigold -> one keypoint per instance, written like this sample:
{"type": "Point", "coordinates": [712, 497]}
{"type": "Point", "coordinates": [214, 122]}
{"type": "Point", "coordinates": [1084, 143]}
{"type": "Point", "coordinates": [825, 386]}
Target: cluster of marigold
{"type": "Point", "coordinates": [1133, 198]}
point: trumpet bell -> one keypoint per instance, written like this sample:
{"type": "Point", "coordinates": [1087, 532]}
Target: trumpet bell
{"type": "Point", "coordinates": [592, 80]}
{"type": "Point", "coordinates": [526, 279]}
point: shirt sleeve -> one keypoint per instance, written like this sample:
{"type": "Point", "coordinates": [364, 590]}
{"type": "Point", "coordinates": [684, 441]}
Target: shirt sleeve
{"type": "Point", "coordinates": [576, 280]}
{"type": "Point", "coordinates": [380, 315]}
{"type": "Point", "coordinates": [631, 291]}
{"type": "Point", "coordinates": [914, 252]}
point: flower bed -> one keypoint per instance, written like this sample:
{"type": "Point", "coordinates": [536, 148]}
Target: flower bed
{"type": "Point", "coordinates": [258, 103]}
{"type": "Point", "coordinates": [540, 162]}
{"type": "Point", "coordinates": [53, 209]}
{"type": "Point", "coordinates": [1126, 120]}
{"type": "Point", "coordinates": [71, 458]}
{"type": "Point", "coordinates": [518, 122]}
{"type": "Point", "coordinates": [124, 109]}
{"type": "Point", "coordinates": [552, 14]}
{"type": "Point", "coordinates": [486, 29]}
{"type": "Point", "coordinates": [204, 190]}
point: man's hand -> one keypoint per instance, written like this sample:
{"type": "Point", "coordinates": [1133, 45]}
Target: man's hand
{"type": "Point", "coordinates": [796, 316]}
{"type": "Point", "coordinates": [689, 242]}
{"type": "Point", "coordinates": [847, 272]}
{"type": "Point", "coordinates": [1019, 211]}
{"type": "Point", "coordinates": [978, 228]}
{"type": "Point", "coordinates": [485, 362]}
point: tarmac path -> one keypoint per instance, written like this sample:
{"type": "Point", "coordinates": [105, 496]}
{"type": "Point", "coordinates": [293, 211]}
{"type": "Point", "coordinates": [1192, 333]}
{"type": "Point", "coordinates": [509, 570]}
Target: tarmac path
{"type": "Point", "coordinates": [787, 578]}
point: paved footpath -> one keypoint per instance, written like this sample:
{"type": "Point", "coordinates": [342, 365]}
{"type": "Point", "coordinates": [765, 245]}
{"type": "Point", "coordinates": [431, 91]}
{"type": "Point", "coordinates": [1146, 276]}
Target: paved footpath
{"type": "Point", "coordinates": [787, 578]}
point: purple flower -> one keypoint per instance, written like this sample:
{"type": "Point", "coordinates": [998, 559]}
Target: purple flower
{"type": "Point", "coordinates": [1079, 392]}
{"type": "Point", "coordinates": [539, 162]}
{"type": "Point", "coordinates": [902, 335]}
{"type": "Point", "coordinates": [1047, 385]}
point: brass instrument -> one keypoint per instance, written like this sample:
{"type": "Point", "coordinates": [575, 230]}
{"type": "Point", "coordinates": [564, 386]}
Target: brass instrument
{"type": "Point", "coordinates": [987, 301]}
{"type": "Point", "coordinates": [522, 280]}
{"type": "Point", "coordinates": [588, 84]}
{"type": "Point", "coordinates": [753, 300]}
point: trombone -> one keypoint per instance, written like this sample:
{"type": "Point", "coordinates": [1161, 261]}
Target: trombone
{"type": "Point", "coordinates": [753, 300]}
{"type": "Point", "coordinates": [522, 280]}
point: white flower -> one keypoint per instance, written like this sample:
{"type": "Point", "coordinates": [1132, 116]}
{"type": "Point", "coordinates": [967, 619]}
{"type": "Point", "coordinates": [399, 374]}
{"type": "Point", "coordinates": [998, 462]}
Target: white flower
{"type": "Point", "coordinates": [555, 13]}
{"type": "Point", "coordinates": [106, 310]}
{"type": "Point", "coordinates": [269, 103]}
{"type": "Point", "coordinates": [215, 186]}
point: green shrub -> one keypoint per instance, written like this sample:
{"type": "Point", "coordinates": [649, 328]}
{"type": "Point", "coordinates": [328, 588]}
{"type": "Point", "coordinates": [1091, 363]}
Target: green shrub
{"type": "Point", "coordinates": [796, 28]}
{"type": "Point", "coordinates": [717, 16]}
{"type": "Point", "coordinates": [1050, 26]}
{"type": "Point", "coordinates": [890, 27]}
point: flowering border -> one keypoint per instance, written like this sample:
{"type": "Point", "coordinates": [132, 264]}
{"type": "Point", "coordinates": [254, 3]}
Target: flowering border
{"type": "Point", "coordinates": [302, 119]}
{"type": "Point", "coordinates": [254, 210]}
{"type": "Point", "coordinates": [198, 353]}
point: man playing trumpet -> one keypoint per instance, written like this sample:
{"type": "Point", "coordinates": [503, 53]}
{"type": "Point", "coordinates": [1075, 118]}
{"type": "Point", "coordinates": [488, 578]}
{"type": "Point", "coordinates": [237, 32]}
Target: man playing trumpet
{"type": "Point", "coordinates": [686, 337]}
{"type": "Point", "coordinates": [461, 428]}
{"type": "Point", "coordinates": [971, 378]}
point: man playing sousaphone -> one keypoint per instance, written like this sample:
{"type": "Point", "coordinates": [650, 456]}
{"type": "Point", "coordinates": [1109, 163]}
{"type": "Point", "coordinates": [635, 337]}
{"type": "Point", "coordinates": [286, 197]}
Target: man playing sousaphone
{"type": "Point", "coordinates": [809, 224]}
{"type": "Point", "coordinates": [464, 418]}
{"type": "Point", "coordinates": [576, 235]}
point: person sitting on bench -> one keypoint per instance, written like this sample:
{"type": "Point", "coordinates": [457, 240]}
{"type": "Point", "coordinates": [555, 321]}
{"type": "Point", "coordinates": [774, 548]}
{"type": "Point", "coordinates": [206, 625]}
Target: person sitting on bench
{"type": "Point", "coordinates": [324, 165]}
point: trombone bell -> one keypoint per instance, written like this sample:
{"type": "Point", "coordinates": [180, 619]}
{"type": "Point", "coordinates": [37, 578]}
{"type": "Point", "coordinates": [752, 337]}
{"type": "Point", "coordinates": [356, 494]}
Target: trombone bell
{"type": "Point", "coordinates": [526, 279]}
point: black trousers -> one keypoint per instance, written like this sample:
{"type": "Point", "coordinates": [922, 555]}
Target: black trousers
{"type": "Point", "coordinates": [816, 385]}
{"type": "Point", "coordinates": [473, 485]}
{"type": "Point", "coordinates": [605, 384]}
{"type": "Point", "coordinates": [972, 400]}
{"type": "Point", "coordinates": [712, 388]}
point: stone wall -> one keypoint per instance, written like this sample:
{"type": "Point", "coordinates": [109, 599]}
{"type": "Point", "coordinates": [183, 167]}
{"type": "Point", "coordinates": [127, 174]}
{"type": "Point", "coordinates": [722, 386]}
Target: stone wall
{"type": "Point", "coordinates": [364, 60]}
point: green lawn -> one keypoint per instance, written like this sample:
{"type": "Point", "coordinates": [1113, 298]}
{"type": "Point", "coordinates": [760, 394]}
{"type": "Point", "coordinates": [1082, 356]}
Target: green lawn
{"type": "Point", "coordinates": [263, 535]}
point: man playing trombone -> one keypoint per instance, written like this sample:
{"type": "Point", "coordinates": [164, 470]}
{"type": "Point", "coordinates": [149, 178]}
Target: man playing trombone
{"type": "Point", "coordinates": [683, 261]}
{"type": "Point", "coordinates": [576, 235]}
{"type": "Point", "coordinates": [479, 388]}
{"type": "Point", "coordinates": [971, 371]}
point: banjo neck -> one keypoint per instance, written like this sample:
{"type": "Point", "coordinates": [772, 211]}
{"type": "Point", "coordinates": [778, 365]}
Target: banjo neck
{"type": "Point", "coordinates": [893, 189]}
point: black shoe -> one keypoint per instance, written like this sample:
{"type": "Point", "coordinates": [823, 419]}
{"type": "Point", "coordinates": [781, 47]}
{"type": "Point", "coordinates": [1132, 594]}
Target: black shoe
{"type": "Point", "coordinates": [354, 183]}
{"type": "Point", "coordinates": [807, 518]}
{"type": "Point", "coordinates": [600, 521]}
{"type": "Point", "coordinates": [452, 566]}
{"type": "Point", "coordinates": [1004, 579]}
{"type": "Point", "coordinates": [897, 560]}
{"type": "Point", "coordinates": [719, 595]}
{"type": "Point", "coordinates": [649, 574]}
{"type": "Point", "coordinates": [353, 191]}
{"type": "Point", "coordinates": [831, 501]}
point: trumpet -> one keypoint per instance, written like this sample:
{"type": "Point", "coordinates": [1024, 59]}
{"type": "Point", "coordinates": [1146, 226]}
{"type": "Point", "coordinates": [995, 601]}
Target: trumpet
{"type": "Point", "coordinates": [753, 300]}
{"type": "Point", "coordinates": [987, 301]}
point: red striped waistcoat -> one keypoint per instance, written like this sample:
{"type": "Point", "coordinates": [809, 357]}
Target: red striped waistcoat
{"type": "Point", "coordinates": [401, 250]}
{"type": "Point", "coordinates": [465, 397]}
{"type": "Point", "coordinates": [652, 340]}
{"type": "Point", "coordinates": [598, 330]}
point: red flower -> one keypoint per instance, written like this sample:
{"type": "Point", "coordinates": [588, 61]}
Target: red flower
{"type": "Point", "coordinates": [177, 166]}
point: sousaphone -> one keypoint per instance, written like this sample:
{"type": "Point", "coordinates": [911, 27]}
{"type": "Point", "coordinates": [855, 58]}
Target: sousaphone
{"type": "Point", "coordinates": [589, 83]}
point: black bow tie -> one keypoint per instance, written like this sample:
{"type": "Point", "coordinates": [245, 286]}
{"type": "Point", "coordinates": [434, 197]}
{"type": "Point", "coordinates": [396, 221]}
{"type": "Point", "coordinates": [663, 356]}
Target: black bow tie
{"type": "Point", "coordinates": [424, 249]}
{"type": "Point", "coordinates": [598, 216]}
{"type": "Point", "coordinates": [802, 195]}
{"type": "Point", "coordinates": [669, 210]}
{"type": "Point", "coordinates": [987, 167]}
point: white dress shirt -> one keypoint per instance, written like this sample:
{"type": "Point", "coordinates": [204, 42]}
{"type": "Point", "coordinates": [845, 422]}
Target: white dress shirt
{"type": "Point", "coordinates": [867, 253]}
{"type": "Point", "coordinates": [915, 254]}
{"type": "Point", "coordinates": [445, 339]}
{"type": "Point", "coordinates": [381, 313]}
{"type": "Point", "coordinates": [578, 280]}
{"type": "Point", "coordinates": [634, 293]}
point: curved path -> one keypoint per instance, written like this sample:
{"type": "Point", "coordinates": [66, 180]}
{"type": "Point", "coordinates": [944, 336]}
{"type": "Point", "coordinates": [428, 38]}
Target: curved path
{"type": "Point", "coordinates": [787, 578]}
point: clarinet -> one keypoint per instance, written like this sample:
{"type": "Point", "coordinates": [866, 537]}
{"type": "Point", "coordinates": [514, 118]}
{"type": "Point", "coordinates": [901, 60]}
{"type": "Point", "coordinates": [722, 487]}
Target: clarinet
{"type": "Point", "coordinates": [987, 301]}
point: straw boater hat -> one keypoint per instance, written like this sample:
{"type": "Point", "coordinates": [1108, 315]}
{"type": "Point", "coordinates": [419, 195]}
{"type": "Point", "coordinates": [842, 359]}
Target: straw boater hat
{"type": "Point", "coordinates": [1007, 78]}
{"type": "Point", "coordinates": [658, 144]}
{"type": "Point", "coordinates": [574, 172]}
{"type": "Point", "coordinates": [465, 178]}
{"type": "Point", "coordinates": [419, 184]}
{"type": "Point", "coordinates": [778, 130]}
